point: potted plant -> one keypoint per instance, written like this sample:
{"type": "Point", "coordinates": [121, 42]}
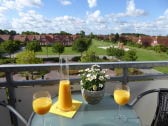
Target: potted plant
{"type": "Point", "coordinates": [93, 83]}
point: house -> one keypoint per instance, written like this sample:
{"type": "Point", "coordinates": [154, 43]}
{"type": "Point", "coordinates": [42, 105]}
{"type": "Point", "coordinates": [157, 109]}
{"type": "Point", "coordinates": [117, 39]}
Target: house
{"type": "Point", "coordinates": [162, 40]}
{"type": "Point", "coordinates": [43, 40]}
{"type": "Point", "coordinates": [155, 41]}
{"type": "Point", "coordinates": [49, 39]}
{"type": "Point", "coordinates": [21, 38]}
{"type": "Point", "coordinates": [146, 40]}
{"type": "Point", "coordinates": [5, 37]}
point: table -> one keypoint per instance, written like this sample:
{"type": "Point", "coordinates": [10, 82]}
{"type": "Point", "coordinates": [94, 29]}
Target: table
{"type": "Point", "coordinates": [101, 114]}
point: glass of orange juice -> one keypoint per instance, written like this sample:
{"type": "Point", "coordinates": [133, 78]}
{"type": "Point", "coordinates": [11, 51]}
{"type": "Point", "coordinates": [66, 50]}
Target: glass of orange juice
{"type": "Point", "coordinates": [121, 96]}
{"type": "Point", "coordinates": [41, 102]}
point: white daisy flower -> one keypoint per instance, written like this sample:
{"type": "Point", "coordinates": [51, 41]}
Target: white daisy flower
{"type": "Point", "coordinates": [101, 85]}
{"type": "Point", "coordinates": [101, 78]}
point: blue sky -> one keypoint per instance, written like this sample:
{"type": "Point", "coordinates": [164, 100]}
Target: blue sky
{"type": "Point", "coordinates": [97, 16]}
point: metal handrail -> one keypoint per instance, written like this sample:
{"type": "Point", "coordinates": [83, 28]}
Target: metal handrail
{"type": "Point", "coordinates": [9, 69]}
{"type": "Point", "coordinates": [10, 84]}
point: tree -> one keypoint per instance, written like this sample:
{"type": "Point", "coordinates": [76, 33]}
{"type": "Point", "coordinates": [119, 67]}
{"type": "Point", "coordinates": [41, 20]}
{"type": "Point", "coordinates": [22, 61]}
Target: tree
{"type": "Point", "coordinates": [91, 35]}
{"type": "Point", "coordinates": [64, 33]}
{"type": "Point", "coordinates": [10, 46]}
{"type": "Point", "coordinates": [27, 57]}
{"type": "Point", "coordinates": [6, 32]}
{"type": "Point", "coordinates": [130, 55]}
{"type": "Point", "coordinates": [90, 56]}
{"type": "Point", "coordinates": [160, 48]}
{"type": "Point", "coordinates": [1, 51]}
{"type": "Point", "coordinates": [81, 45]}
{"type": "Point", "coordinates": [118, 53]}
{"type": "Point", "coordinates": [30, 33]}
{"type": "Point", "coordinates": [58, 48]}
{"type": "Point", "coordinates": [12, 32]}
{"type": "Point", "coordinates": [33, 46]}
{"type": "Point", "coordinates": [116, 37]}
{"type": "Point", "coordinates": [82, 33]}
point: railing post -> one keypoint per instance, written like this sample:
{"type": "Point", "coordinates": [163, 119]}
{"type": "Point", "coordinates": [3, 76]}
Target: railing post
{"type": "Point", "coordinates": [125, 75]}
{"type": "Point", "coordinates": [11, 96]}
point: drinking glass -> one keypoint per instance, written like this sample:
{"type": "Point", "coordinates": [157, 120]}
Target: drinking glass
{"type": "Point", "coordinates": [121, 97]}
{"type": "Point", "coordinates": [41, 103]}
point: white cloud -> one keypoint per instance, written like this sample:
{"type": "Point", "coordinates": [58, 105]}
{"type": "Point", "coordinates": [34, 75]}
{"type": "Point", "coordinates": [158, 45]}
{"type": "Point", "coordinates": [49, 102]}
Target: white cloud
{"type": "Point", "coordinates": [33, 21]}
{"type": "Point", "coordinates": [65, 2]}
{"type": "Point", "coordinates": [166, 12]}
{"type": "Point", "coordinates": [95, 17]}
{"type": "Point", "coordinates": [10, 5]}
{"type": "Point", "coordinates": [68, 23]}
{"type": "Point", "coordinates": [4, 23]}
{"type": "Point", "coordinates": [131, 10]}
{"type": "Point", "coordinates": [30, 21]}
{"type": "Point", "coordinates": [161, 24]}
{"type": "Point", "coordinates": [95, 22]}
{"type": "Point", "coordinates": [28, 3]}
{"type": "Point", "coordinates": [92, 3]}
{"type": "Point", "coordinates": [92, 22]}
{"type": "Point", "coordinates": [19, 4]}
{"type": "Point", "coordinates": [36, 22]}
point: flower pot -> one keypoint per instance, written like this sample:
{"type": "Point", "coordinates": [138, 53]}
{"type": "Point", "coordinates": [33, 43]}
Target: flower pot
{"type": "Point", "coordinates": [92, 97]}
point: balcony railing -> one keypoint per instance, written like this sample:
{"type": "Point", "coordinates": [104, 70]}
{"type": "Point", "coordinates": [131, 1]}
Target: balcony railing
{"type": "Point", "coordinates": [10, 84]}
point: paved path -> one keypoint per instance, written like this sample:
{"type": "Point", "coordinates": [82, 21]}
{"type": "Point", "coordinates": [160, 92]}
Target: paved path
{"type": "Point", "coordinates": [150, 71]}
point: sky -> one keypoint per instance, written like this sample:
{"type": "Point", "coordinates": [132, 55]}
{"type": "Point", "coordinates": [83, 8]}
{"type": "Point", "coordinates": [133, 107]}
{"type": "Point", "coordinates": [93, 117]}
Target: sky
{"type": "Point", "coordinates": [96, 16]}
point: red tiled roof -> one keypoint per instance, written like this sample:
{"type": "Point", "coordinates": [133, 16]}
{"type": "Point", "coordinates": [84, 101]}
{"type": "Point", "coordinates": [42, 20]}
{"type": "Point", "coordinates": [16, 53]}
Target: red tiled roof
{"type": "Point", "coordinates": [49, 38]}
{"type": "Point", "coordinates": [133, 38]}
{"type": "Point", "coordinates": [21, 38]}
{"type": "Point", "coordinates": [37, 37]}
{"type": "Point", "coordinates": [163, 40]}
{"type": "Point", "coordinates": [5, 37]}
{"type": "Point", "coordinates": [30, 37]}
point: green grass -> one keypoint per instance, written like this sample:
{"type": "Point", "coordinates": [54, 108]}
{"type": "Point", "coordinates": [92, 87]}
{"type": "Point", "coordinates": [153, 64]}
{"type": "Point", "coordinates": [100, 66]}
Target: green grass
{"type": "Point", "coordinates": [96, 44]}
{"type": "Point", "coordinates": [69, 51]}
{"type": "Point", "coordinates": [149, 55]}
{"type": "Point", "coordinates": [162, 69]}
{"type": "Point", "coordinates": [143, 54]}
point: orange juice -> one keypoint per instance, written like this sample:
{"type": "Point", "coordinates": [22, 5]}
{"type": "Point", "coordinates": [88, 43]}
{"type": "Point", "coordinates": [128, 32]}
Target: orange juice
{"type": "Point", "coordinates": [121, 96]}
{"type": "Point", "coordinates": [42, 105]}
{"type": "Point", "coordinates": [64, 98]}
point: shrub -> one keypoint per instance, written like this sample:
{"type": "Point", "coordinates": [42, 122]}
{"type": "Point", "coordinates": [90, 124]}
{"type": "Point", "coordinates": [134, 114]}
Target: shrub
{"type": "Point", "coordinates": [90, 56]}
{"type": "Point", "coordinates": [7, 60]}
{"type": "Point", "coordinates": [130, 55]}
{"type": "Point", "coordinates": [52, 59]}
{"type": "Point", "coordinates": [76, 58]}
{"type": "Point", "coordinates": [2, 74]}
{"type": "Point", "coordinates": [105, 58]}
{"type": "Point", "coordinates": [115, 52]}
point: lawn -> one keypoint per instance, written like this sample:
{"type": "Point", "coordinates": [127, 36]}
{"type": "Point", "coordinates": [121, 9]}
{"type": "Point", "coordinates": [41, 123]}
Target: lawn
{"type": "Point", "coordinates": [149, 55]}
{"type": "Point", "coordinates": [68, 50]}
{"type": "Point", "coordinates": [143, 54]}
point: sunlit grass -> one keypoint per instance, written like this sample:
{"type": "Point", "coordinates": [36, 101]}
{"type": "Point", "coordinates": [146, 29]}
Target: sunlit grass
{"type": "Point", "coordinates": [143, 54]}
{"type": "Point", "coordinates": [68, 50]}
